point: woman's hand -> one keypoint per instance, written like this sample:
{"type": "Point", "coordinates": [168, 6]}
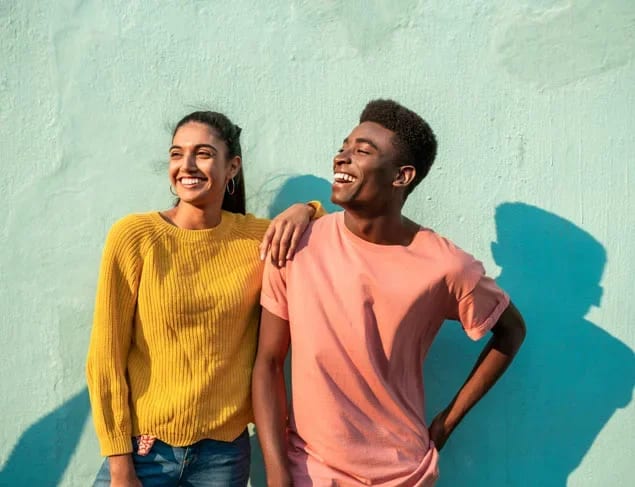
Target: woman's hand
{"type": "Point", "coordinates": [126, 482]}
{"type": "Point", "coordinates": [122, 472]}
{"type": "Point", "coordinates": [284, 232]}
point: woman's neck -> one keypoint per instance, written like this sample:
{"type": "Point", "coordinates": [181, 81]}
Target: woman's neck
{"type": "Point", "coordinates": [190, 217]}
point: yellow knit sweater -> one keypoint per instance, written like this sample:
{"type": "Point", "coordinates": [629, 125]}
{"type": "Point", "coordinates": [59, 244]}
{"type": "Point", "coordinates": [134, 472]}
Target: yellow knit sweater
{"type": "Point", "coordinates": [174, 333]}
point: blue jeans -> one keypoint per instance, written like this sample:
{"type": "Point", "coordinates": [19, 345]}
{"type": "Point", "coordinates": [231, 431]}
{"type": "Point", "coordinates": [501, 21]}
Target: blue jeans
{"type": "Point", "coordinates": [207, 463]}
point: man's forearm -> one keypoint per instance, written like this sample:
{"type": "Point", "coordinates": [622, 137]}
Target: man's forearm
{"type": "Point", "coordinates": [270, 411]}
{"type": "Point", "coordinates": [490, 365]}
{"type": "Point", "coordinates": [499, 352]}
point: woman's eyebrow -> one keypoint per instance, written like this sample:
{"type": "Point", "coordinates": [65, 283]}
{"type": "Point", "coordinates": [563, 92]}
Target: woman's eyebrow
{"type": "Point", "coordinates": [197, 146]}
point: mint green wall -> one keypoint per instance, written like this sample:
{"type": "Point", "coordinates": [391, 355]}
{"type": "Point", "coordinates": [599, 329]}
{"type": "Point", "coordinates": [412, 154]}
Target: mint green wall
{"type": "Point", "coordinates": [532, 102]}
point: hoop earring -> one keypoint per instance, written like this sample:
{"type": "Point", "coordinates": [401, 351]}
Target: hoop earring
{"type": "Point", "coordinates": [231, 191]}
{"type": "Point", "coordinates": [172, 191]}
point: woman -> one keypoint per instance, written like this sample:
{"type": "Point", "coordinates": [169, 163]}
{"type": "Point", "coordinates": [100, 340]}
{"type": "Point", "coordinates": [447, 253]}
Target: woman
{"type": "Point", "coordinates": [175, 324]}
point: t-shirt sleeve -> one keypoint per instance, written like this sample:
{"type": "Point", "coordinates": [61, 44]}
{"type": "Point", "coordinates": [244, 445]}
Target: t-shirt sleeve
{"type": "Point", "coordinates": [475, 299]}
{"type": "Point", "coordinates": [273, 296]}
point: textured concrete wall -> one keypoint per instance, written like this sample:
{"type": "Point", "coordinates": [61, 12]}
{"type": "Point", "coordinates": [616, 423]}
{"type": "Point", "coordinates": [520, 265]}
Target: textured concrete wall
{"type": "Point", "coordinates": [532, 102]}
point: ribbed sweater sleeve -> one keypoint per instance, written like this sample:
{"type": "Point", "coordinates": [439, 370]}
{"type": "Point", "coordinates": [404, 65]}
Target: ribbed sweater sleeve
{"type": "Point", "coordinates": [111, 336]}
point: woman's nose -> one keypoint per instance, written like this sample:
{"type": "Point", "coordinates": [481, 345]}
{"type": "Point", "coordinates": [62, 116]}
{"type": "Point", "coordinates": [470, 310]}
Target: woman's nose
{"type": "Point", "coordinates": [190, 161]}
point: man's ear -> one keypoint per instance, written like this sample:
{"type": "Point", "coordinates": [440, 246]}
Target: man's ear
{"type": "Point", "coordinates": [405, 176]}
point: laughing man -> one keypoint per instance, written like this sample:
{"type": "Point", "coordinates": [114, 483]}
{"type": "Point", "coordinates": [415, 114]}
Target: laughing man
{"type": "Point", "coordinates": [360, 305]}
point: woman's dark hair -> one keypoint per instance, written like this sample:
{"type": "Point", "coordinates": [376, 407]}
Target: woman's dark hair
{"type": "Point", "coordinates": [230, 134]}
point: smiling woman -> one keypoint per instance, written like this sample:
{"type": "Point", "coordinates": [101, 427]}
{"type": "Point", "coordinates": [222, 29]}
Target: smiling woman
{"type": "Point", "coordinates": [205, 157]}
{"type": "Point", "coordinates": [176, 317]}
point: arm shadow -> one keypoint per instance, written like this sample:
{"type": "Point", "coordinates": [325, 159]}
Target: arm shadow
{"type": "Point", "coordinates": [570, 376]}
{"type": "Point", "coordinates": [303, 187]}
{"type": "Point", "coordinates": [43, 452]}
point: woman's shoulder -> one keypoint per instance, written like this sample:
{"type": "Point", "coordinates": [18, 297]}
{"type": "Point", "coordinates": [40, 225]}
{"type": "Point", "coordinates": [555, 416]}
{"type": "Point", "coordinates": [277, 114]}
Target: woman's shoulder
{"type": "Point", "coordinates": [133, 221]}
{"type": "Point", "coordinates": [133, 228]}
{"type": "Point", "coordinates": [249, 225]}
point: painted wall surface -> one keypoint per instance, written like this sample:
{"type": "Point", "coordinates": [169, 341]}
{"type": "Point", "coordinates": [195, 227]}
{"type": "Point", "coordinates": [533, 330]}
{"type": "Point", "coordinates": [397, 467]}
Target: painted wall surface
{"type": "Point", "coordinates": [533, 105]}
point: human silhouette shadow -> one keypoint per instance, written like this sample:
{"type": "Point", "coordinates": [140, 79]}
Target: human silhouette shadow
{"type": "Point", "coordinates": [294, 189]}
{"type": "Point", "coordinates": [305, 187]}
{"type": "Point", "coordinates": [43, 452]}
{"type": "Point", "coordinates": [535, 427]}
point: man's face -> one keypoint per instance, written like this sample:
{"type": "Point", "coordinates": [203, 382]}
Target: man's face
{"type": "Point", "coordinates": [364, 168]}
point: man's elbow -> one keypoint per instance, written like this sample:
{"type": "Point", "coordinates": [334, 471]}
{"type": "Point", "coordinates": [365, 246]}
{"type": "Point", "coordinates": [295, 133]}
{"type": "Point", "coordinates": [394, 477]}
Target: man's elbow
{"type": "Point", "coordinates": [268, 364]}
{"type": "Point", "coordinates": [519, 332]}
{"type": "Point", "coordinates": [510, 330]}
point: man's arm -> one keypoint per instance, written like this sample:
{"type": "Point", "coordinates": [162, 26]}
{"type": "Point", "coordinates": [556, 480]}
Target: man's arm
{"type": "Point", "coordinates": [509, 333]}
{"type": "Point", "coordinates": [270, 396]}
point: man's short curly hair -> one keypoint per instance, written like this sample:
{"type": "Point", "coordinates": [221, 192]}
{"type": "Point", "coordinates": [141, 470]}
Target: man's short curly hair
{"type": "Point", "coordinates": [414, 140]}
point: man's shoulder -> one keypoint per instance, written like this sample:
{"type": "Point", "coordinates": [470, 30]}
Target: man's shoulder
{"type": "Point", "coordinates": [327, 221]}
{"type": "Point", "coordinates": [317, 232]}
{"type": "Point", "coordinates": [436, 241]}
{"type": "Point", "coordinates": [442, 249]}
{"type": "Point", "coordinates": [321, 228]}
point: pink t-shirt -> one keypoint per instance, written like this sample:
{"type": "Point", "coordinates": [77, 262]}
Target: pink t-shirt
{"type": "Point", "coordinates": [362, 317]}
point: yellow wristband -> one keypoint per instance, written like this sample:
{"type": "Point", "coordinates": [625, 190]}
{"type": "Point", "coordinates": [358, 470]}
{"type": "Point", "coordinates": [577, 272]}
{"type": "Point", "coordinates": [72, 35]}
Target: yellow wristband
{"type": "Point", "coordinates": [319, 209]}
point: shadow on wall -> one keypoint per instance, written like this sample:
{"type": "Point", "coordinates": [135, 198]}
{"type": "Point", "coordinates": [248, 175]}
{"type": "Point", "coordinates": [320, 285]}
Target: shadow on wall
{"type": "Point", "coordinates": [537, 424]}
{"type": "Point", "coordinates": [44, 450]}
{"type": "Point", "coordinates": [294, 189]}
{"type": "Point", "coordinates": [302, 188]}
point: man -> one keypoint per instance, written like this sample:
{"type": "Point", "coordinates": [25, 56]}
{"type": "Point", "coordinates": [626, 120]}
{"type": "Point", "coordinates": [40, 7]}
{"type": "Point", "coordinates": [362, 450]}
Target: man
{"type": "Point", "coordinates": [360, 304]}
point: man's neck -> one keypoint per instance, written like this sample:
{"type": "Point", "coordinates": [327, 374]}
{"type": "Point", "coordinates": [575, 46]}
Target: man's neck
{"type": "Point", "coordinates": [385, 229]}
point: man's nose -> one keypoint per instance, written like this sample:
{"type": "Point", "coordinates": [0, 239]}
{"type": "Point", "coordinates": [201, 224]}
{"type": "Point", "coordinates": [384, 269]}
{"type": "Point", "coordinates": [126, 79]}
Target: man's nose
{"type": "Point", "coordinates": [342, 157]}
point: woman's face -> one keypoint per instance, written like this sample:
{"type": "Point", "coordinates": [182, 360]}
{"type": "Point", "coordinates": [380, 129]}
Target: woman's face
{"type": "Point", "coordinates": [199, 167]}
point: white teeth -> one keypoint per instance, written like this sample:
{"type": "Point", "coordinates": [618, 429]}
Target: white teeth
{"type": "Point", "coordinates": [341, 177]}
{"type": "Point", "coordinates": [189, 181]}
